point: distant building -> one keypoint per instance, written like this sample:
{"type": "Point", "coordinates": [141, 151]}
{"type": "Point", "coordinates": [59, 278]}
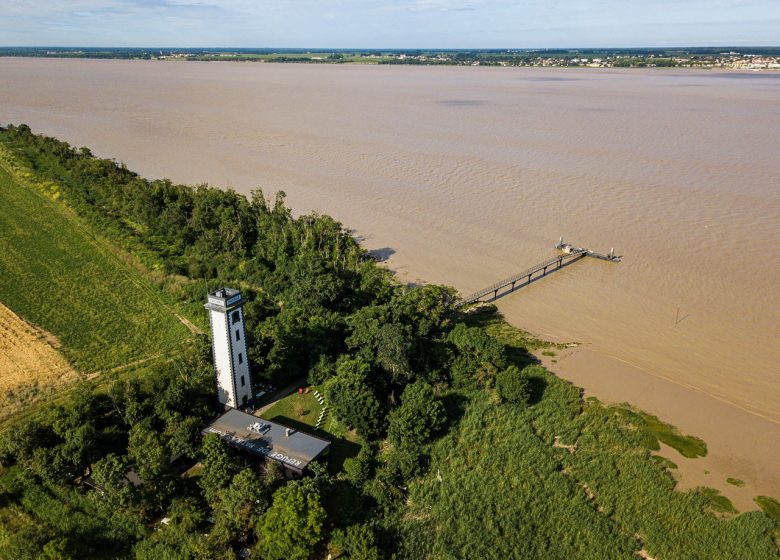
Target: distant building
{"type": "Point", "coordinates": [260, 438]}
{"type": "Point", "coordinates": [228, 343]}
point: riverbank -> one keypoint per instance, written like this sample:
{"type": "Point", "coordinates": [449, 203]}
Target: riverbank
{"type": "Point", "coordinates": [740, 444]}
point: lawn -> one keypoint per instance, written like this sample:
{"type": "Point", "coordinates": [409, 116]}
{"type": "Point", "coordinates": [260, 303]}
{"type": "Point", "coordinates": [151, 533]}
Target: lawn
{"type": "Point", "coordinates": [302, 408]}
{"type": "Point", "coordinates": [59, 277]}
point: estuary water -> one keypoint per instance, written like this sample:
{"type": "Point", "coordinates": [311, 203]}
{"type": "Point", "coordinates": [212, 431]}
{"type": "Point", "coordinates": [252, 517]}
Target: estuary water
{"type": "Point", "coordinates": [466, 175]}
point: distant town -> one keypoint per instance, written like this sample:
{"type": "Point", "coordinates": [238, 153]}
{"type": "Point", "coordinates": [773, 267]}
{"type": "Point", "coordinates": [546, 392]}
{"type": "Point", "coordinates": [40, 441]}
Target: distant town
{"type": "Point", "coordinates": [742, 58]}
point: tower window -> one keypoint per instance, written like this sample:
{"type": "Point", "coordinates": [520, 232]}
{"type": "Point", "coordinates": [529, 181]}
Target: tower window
{"type": "Point", "coordinates": [240, 358]}
{"type": "Point", "coordinates": [236, 316]}
{"type": "Point", "coordinates": [238, 335]}
{"type": "Point", "coordinates": [242, 381]}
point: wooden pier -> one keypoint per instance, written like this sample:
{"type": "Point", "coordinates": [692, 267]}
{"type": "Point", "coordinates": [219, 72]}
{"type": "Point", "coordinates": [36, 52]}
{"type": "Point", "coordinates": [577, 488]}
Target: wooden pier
{"type": "Point", "coordinates": [509, 285]}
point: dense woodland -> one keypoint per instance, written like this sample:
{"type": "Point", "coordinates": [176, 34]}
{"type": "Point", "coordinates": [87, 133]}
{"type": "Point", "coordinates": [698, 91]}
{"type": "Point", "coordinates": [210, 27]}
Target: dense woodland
{"type": "Point", "coordinates": [467, 449]}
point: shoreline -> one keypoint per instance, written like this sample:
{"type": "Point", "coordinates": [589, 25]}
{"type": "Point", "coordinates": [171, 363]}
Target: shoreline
{"type": "Point", "coordinates": [733, 434]}
{"type": "Point", "coordinates": [739, 442]}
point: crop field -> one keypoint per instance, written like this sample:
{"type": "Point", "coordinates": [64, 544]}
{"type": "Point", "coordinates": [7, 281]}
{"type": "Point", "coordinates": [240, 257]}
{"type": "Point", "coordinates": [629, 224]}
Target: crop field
{"type": "Point", "coordinates": [29, 363]}
{"type": "Point", "coordinates": [58, 277]}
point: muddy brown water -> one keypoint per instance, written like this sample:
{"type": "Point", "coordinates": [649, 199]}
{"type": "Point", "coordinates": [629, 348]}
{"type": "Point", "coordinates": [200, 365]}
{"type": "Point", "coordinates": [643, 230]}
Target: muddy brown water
{"type": "Point", "coordinates": [466, 175]}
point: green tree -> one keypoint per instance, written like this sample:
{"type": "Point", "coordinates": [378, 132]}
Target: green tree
{"type": "Point", "coordinates": [178, 538]}
{"type": "Point", "coordinates": [393, 344]}
{"type": "Point", "coordinates": [147, 449]}
{"type": "Point", "coordinates": [127, 401]}
{"type": "Point", "coordinates": [218, 467]}
{"type": "Point", "coordinates": [359, 469]}
{"type": "Point", "coordinates": [352, 399]}
{"type": "Point", "coordinates": [358, 542]}
{"type": "Point", "coordinates": [56, 549]}
{"type": "Point", "coordinates": [420, 415]}
{"type": "Point", "coordinates": [152, 460]}
{"type": "Point", "coordinates": [110, 473]}
{"type": "Point", "coordinates": [184, 436]}
{"type": "Point", "coordinates": [480, 356]}
{"type": "Point", "coordinates": [293, 524]}
{"type": "Point", "coordinates": [240, 505]}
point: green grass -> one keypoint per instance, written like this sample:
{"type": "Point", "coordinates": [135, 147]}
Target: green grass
{"type": "Point", "coordinates": [717, 502]}
{"type": "Point", "coordinates": [506, 492]}
{"type": "Point", "coordinates": [303, 408]}
{"type": "Point", "coordinates": [668, 463]}
{"type": "Point", "coordinates": [770, 506]}
{"type": "Point", "coordinates": [736, 482]}
{"type": "Point", "coordinates": [512, 336]}
{"type": "Point", "coordinates": [56, 275]}
{"type": "Point", "coordinates": [688, 446]}
{"type": "Point", "coordinates": [519, 343]}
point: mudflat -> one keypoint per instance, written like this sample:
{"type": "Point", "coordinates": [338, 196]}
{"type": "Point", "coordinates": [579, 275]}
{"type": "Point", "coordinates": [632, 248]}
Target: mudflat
{"type": "Point", "coordinates": [465, 175]}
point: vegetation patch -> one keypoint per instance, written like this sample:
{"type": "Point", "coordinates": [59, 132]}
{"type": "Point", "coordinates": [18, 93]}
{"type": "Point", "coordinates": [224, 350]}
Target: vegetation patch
{"type": "Point", "coordinates": [56, 274]}
{"type": "Point", "coordinates": [735, 482]}
{"type": "Point", "coordinates": [770, 506]}
{"type": "Point", "coordinates": [717, 502]}
{"type": "Point", "coordinates": [668, 463]}
{"type": "Point", "coordinates": [657, 430]}
{"type": "Point", "coordinates": [489, 319]}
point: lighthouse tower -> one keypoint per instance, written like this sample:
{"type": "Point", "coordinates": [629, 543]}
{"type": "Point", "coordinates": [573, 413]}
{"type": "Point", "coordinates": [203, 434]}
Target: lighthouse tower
{"type": "Point", "coordinates": [226, 315]}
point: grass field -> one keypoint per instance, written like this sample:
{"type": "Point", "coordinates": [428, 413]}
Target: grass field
{"type": "Point", "coordinates": [58, 277]}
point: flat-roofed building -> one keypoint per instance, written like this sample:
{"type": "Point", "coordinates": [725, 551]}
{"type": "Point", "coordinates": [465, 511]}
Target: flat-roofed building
{"type": "Point", "coordinates": [293, 449]}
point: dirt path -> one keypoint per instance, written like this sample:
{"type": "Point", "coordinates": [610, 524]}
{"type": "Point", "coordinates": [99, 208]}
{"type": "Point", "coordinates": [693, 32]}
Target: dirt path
{"type": "Point", "coordinates": [187, 323]}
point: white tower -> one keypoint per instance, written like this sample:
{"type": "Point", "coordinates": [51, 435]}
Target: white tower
{"type": "Point", "coordinates": [228, 344]}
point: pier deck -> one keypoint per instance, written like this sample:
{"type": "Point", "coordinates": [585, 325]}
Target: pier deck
{"type": "Point", "coordinates": [516, 281]}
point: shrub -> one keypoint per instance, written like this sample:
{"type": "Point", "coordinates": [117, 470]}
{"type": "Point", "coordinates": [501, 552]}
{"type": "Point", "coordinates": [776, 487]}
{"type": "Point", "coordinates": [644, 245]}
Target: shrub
{"type": "Point", "coordinates": [513, 386]}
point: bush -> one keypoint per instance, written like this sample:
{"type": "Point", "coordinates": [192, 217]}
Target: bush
{"type": "Point", "coordinates": [513, 386]}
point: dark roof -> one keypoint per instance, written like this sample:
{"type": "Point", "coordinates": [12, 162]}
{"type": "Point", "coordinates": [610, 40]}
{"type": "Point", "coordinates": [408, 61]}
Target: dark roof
{"type": "Point", "coordinates": [295, 450]}
{"type": "Point", "coordinates": [224, 299]}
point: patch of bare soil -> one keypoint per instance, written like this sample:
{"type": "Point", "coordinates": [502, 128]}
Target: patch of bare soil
{"type": "Point", "coordinates": [30, 365]}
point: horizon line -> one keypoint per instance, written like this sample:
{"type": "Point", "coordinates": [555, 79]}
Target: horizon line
{"type": "Point", "coordinates": [331, 48]}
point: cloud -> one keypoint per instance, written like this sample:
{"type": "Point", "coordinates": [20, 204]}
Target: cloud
{"type": "Point", "coordinates": [387, 23]}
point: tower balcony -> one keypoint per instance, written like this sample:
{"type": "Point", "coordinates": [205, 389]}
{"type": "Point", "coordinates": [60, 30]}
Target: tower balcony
{"type": "Point", "coordinates": [224, 299]}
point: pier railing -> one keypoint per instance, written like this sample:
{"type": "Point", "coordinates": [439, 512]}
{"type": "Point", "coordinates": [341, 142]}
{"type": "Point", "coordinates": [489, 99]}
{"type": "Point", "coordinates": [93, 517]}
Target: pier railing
{"type": "Point", "coordinates": [570, 254]}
